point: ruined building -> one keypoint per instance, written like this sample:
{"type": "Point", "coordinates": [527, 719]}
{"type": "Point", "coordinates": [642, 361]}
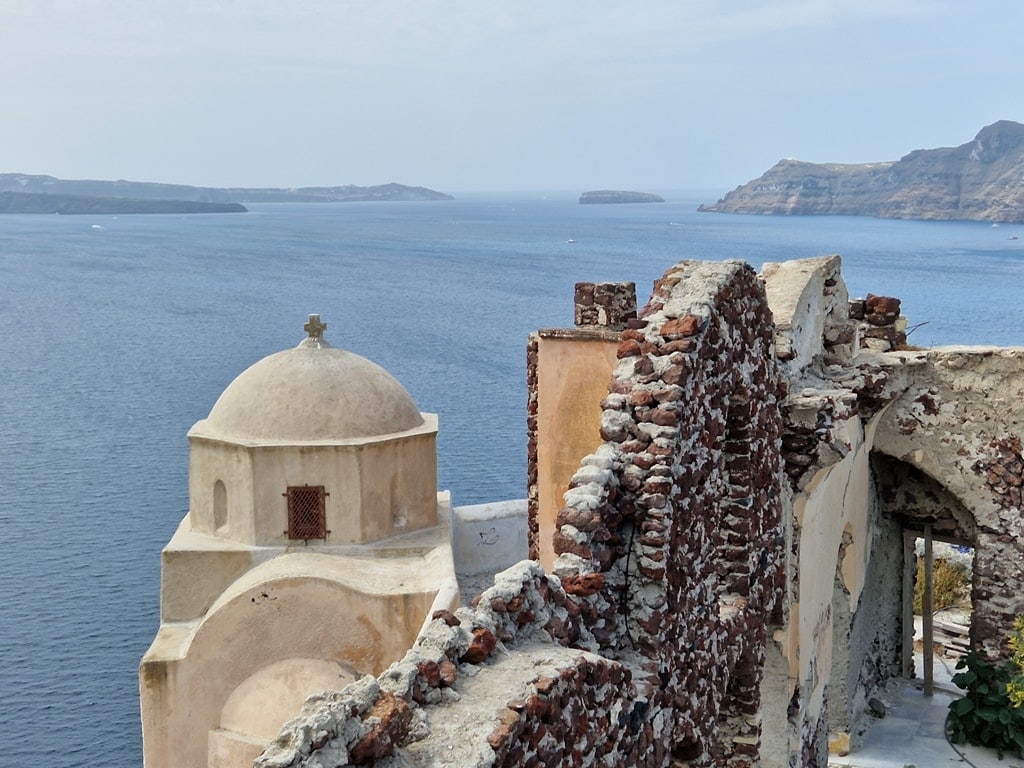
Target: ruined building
{"type": "Point", "coordinates": [724, 492]}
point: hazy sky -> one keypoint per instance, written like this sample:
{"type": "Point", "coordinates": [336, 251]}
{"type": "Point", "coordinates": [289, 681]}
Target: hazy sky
{"type": "Point", "coordinates": [485, 95]}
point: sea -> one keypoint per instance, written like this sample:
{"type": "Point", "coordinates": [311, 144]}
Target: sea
{"type": "Point", "coordinates": [119, 333]}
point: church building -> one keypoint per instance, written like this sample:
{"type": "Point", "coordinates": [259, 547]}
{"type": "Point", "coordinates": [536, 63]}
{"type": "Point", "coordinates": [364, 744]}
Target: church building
{"type": "Point", "coordinates": [315, 547]}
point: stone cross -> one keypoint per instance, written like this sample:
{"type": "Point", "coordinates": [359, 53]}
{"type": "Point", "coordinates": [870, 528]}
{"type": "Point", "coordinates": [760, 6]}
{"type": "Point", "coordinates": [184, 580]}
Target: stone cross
{"type": "Point", "coordinates": [315, 328]}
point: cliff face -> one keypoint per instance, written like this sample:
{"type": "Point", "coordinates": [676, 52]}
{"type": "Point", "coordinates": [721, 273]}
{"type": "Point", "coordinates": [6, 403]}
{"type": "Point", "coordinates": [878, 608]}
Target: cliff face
{"type": "Point", "coordinates": [980, 180]}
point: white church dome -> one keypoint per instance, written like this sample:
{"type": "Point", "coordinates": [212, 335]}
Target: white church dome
{"type": "Point", "coordinates": [313, 392]}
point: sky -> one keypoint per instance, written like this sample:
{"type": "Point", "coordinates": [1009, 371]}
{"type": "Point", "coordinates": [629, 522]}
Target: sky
{"type": "Point", "coordinates": [493, 96]}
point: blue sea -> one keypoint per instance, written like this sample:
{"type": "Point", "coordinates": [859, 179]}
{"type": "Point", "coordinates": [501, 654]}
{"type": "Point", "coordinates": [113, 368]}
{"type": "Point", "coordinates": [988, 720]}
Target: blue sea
{"type": "Point", "coordinates": [118, 333]}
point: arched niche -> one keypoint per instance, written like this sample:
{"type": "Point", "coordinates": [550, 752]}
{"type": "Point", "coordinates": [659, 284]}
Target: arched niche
{"type": "Point", "coordinates": [220, 506]}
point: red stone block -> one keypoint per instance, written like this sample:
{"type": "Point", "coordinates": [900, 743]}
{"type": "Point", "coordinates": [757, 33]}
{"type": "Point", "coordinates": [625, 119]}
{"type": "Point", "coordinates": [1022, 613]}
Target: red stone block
{"type": "Point", "coordinates": [448, 673]}
{"type": "Point", "coordinates": [480, 647]}
{"type": "Point", "coordinates": [655, 574]}
{"type": "Point", "coordinates": [680, 328]}
{"type": "Point", "coordinates": [583, 585]}
{"type": "Point", "coordinates": [663, 417]}
{"type": "Point", "coordinates": [640, 397]}
{"type": "Point", "coordinates": [882, 305]}
{"type": "Point", "coordinates": [563, 544]}
{"type": "Point", "coordinates": [395, 716]}
{"type": "Point", "coordinates": [545, 684]}
{"type": "Point", "coordinates": [537, 707]}
{"type": "Point", "coordinates": [447, 617]}
{"type": "Point", "coordinates": [430, 673]}
{"type": "Point", "coordinates": [627, 348]}
{"type": "Point", "coordinates": [679, 345]}
{"type": "Point", "coordinates": [643, 366]}
{"type": "Point", "coordinates": [674, 375]}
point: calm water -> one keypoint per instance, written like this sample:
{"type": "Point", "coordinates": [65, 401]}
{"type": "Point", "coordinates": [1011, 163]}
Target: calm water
{"type": "Point", "coordinates": [117, 334]}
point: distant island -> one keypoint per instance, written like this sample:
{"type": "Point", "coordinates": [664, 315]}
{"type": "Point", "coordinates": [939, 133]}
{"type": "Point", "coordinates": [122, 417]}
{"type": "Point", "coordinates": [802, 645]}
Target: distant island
{"type": "Point", "coordinates": [27, 193]}
{"type": "Point", "coordinates": [977, 181]}
{"type": "Point", "coordinates": [606, 196]}
{"type": "Point", "coordinates": [31, 202]}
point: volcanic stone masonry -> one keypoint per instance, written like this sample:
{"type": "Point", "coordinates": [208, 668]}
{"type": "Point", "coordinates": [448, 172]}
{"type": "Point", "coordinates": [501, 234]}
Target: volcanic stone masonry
{"type": "Point", "coordinates": [728, 560]}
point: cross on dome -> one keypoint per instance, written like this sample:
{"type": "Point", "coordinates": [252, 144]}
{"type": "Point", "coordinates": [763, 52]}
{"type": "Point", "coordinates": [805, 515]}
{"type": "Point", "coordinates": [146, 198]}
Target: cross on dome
{"type": "Point", "coordinates": [315, 328]}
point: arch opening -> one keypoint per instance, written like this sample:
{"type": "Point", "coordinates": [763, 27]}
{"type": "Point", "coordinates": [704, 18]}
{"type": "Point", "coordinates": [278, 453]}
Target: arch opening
{"type": "Point", "coordinates": [939, 538]}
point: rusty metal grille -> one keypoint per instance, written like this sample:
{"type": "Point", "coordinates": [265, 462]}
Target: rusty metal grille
{"type": "Point", "coordinates": [307, 516]}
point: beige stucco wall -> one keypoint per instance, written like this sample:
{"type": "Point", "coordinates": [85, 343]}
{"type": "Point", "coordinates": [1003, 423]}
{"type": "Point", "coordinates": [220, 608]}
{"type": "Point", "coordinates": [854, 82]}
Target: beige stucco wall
{"type": "Point", "coordinates": [398, 486]}
{"type": "Point", "coordinates": [377, 486]}
{"type": "Point", "coordinates": [358, 613]}
{"type": "Point", "coordinates": [572, 379]}
{"type": "Point", "coordinates": [197, 567]}
{"type": "Point", "coordinates": [835, 501]}
{"type": "Point", "coordinates": [210, 461]}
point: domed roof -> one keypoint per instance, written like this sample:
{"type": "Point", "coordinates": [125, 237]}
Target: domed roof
{"type": "Point", "coordinates": [313, 392]}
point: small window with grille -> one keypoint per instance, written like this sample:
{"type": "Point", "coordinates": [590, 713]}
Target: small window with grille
{"type": "Point", "coordinates": [307, 516]}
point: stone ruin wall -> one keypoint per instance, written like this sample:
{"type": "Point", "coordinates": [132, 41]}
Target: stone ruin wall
{"type": "Point", "coordinates": [954, 428]}
{"type": "Point", "coordinates": [681, 530]}
{"type": "Point", "coordinates": [670, 567]}
{"type": "Point", "coordinates": [926, 437]}
{"type": "Point", "coordinates": [680, 554]}
{"type": "Point", "coordinates": [829, 514]}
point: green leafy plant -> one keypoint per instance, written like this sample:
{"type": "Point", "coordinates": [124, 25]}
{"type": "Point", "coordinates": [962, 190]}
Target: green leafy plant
{"type": "Point", "coordinates": [1015, 687]}
{"type": "Point", "coordinates": [985, 715]}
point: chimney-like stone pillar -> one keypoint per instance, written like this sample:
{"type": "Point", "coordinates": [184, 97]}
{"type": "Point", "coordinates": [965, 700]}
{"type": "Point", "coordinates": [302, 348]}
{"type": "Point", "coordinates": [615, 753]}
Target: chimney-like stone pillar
{"type": "Point", "coordinates": [605, 305]}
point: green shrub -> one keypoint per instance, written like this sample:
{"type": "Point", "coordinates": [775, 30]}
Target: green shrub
{"type": "Point", "coordinates": [985, 715]}
{"type": "Point", "coordinates": [949, 584]}
{"type": "Point", "coordinates": [1015, 688]}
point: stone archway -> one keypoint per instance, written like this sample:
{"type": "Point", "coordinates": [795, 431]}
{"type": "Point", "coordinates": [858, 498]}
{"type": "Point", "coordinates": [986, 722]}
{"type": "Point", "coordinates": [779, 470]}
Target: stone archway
{"type": "Point", "coordinates": [923, 508]}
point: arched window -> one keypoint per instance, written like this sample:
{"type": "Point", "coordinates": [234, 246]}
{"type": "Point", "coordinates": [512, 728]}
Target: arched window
{"type": "Point", "coordinates": [220, 506]}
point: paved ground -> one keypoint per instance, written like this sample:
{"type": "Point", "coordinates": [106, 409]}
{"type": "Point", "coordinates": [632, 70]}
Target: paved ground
{"type": "Point", "coordinates": [913, 732]}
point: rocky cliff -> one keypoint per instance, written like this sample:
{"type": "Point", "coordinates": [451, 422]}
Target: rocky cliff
{"type": "Point", "coordinates": [980, 180]}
